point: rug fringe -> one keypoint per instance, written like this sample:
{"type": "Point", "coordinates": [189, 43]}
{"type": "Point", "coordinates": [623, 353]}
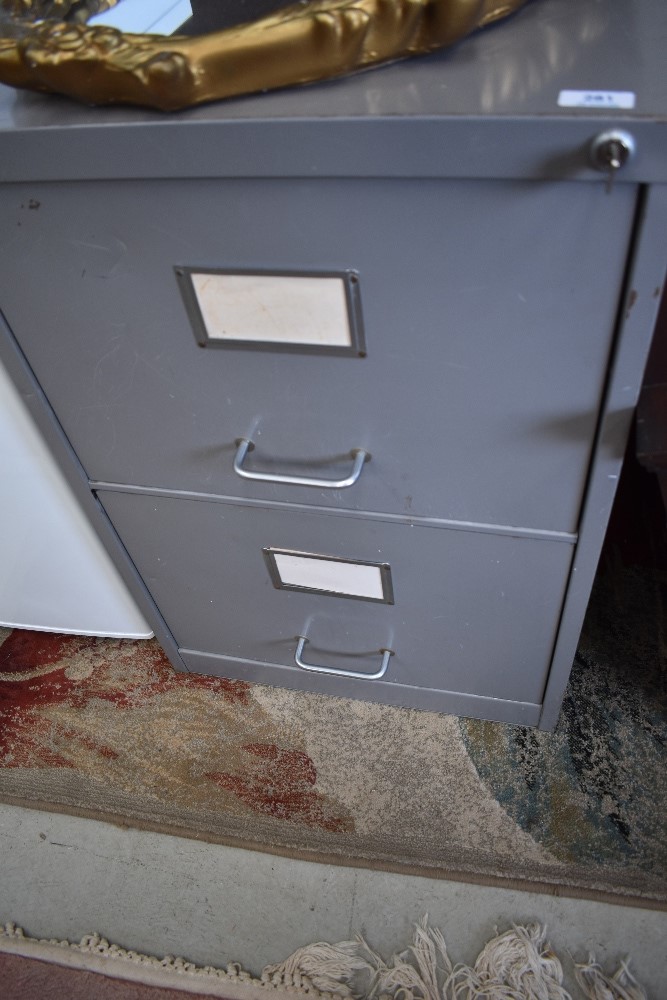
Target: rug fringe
{"type": "Point", "coordinates": [597, 986]}
{"type": "Point", "coordinates": [518, 964]}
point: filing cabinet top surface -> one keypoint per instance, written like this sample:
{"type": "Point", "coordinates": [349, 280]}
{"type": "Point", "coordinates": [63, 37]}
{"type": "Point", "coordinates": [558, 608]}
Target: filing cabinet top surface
{"type": "Point", "coordinates": [503, 84]}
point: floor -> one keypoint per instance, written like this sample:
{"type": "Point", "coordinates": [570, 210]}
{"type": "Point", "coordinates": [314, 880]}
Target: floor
{"type": "Point", "coordinates": [25, 979]}
{"type": "Point", "coordinates": [65, 877]}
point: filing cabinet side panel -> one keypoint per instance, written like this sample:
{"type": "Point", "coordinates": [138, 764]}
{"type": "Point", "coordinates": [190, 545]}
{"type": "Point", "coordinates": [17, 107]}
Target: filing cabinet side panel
{"type": "Point", "coordinates": [637, 317]}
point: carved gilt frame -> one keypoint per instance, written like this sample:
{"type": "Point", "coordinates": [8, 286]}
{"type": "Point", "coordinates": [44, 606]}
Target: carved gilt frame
{"type": "Point", "coordinates": [46, 45]}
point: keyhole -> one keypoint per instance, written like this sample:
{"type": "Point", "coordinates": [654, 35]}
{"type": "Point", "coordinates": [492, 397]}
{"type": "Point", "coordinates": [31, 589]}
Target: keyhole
{"type": "Point", "coordinates": [610, 151]}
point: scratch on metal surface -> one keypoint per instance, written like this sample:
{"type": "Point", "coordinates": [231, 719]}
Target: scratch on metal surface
{"type": "Point", "coordinates": [100, 362]}
{"type": "Point", "coordinates": [116, 251]}
{"type": "Point", "coordinates": [632, 299]}
{"type": "Point", "coordinates": [89, 246]}
{"type": "Point", "coordinates": [150, 364]}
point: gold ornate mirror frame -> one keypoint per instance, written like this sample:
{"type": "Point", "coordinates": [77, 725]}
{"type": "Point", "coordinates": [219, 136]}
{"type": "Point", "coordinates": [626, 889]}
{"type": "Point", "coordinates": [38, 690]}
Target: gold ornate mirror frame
{"type": "Point", "coordinates": [47, 45]}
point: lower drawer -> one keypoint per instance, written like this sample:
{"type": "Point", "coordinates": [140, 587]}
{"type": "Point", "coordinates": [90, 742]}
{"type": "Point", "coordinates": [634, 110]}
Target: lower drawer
{"type": "Point", "coordinates": [462, 612]}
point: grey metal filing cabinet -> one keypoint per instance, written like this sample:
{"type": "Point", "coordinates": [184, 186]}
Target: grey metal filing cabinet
{"type": "Point", "coordinates": [408, 504]}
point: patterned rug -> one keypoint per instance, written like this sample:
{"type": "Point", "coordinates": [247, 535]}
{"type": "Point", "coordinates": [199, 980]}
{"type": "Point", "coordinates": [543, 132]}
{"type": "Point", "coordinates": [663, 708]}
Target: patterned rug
{"type": "Point", "coordinates": [106, 728]}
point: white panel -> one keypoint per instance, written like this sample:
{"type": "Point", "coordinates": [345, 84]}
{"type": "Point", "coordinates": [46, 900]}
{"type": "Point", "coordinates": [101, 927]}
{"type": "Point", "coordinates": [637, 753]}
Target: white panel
{"type": "Point", "coordinates": [55, 576]}
{"type": "Point", "coordinates": [275, 309]}
{"type": "Point", "coordinates": [353, 579]}
{"type": "Point", "coordinates": [155, 17]}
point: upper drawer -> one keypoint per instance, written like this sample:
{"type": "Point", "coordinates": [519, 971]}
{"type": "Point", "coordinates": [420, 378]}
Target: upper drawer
{"type": "Point", "coordinates": [488, 310]}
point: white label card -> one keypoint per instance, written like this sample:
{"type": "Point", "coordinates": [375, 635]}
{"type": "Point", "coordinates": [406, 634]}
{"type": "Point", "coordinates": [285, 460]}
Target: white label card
{"type": "Point", "coordinates": [274, 309]}
{"type": "Point", "coordinates": [330, 576]}
{"type": "Point", "coordinates": [621, 100]}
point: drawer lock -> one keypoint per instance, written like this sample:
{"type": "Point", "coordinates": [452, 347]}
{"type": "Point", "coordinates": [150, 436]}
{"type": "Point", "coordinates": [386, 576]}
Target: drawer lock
{"type": "Point", "coordinates": [610, 151]}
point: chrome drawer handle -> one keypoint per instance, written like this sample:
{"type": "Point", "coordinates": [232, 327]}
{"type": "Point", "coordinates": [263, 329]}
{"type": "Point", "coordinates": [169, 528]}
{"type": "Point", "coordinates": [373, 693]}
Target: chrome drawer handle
{"type": "Point", "coordinates": [386, 655]}
{"type": "Point", "coordinates": [244, 446]}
